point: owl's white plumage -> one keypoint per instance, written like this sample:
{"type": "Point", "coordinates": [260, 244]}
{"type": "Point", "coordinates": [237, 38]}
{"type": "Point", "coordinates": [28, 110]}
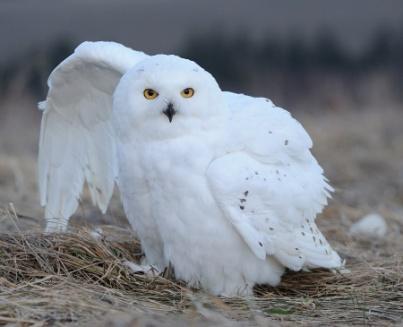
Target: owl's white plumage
{"type": "Point", "coordinates": [227, 193]}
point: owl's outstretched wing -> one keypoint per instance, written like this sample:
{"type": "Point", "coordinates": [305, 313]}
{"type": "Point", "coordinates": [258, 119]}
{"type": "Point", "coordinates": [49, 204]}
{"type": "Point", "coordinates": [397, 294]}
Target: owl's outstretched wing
{"type": "Point", "coordinates": [77, 140]}
{"type": "Point", "coordinates": [270, 187]}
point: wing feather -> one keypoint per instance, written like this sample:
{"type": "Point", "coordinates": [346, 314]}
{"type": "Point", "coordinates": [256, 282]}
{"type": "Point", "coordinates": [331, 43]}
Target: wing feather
{"type": "Point", "coordinates": [77, 141]}
{"type": "Point", "coordinates": [270, 186]}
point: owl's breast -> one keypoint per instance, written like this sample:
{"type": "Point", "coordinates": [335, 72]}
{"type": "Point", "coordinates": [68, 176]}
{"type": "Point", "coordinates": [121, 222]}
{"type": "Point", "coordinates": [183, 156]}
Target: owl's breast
{"type": "Point", "coordinates": [175, 170]}
{"type": "Point", "coordinates": [167, 177]}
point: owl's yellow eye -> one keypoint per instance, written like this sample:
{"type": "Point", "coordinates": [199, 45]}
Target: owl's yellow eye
{"type": "Point", "coordinates": [150, 94]}
{"type": "Point", "coordinates": [188, 92]}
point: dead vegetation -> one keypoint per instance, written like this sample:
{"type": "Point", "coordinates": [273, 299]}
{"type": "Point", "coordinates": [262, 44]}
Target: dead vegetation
{"type": "Point", "coordinates": [76, 279]}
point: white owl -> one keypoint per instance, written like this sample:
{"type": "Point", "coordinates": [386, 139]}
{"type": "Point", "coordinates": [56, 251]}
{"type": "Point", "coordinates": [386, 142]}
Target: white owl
{"type": "Point", "coordinates": [221, 186]}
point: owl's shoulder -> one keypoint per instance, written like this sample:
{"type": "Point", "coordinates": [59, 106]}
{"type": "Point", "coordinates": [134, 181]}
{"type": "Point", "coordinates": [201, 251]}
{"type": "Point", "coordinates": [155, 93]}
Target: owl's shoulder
{"type": "Point", "coordinates": [261, 127]}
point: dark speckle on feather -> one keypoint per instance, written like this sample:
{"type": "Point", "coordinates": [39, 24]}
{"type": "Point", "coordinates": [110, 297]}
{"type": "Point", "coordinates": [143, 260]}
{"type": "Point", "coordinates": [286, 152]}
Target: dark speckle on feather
{"type": "Point", "coordinates": [246, 193]}
{"type": "Point", "coordinates": [241, 207]}
{"type": "Point", "coordinates": [286, 142]}
{"type": "Point", "coordinates": [242, 200]}
{"type": "Point", "coordinates": [261, 244]}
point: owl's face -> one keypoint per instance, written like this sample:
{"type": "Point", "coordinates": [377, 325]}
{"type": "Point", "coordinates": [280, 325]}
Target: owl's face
{"type": "Point", "coordinates": [168, 95]}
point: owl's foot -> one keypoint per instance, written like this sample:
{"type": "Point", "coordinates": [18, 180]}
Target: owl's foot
{"type": "Point", "coordinates": [56, 226]}
{"type": "Point", "coordinates": [147, 270]}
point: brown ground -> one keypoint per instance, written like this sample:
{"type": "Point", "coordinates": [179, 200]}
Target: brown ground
{"type": "Point", "coordinates": [74, 279]}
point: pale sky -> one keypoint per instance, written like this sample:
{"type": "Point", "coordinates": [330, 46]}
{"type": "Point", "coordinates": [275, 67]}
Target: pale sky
{"type": "Point", "coordinates": [162, 25]}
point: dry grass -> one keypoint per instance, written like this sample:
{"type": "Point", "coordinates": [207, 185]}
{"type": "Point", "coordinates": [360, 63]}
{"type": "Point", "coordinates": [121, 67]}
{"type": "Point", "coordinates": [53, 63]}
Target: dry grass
{"type": "Point", "coordinates": [75, 279]}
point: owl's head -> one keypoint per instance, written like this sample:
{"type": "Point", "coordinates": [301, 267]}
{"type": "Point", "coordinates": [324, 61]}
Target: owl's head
{"type": "Point", "coordinates": [167, 95]}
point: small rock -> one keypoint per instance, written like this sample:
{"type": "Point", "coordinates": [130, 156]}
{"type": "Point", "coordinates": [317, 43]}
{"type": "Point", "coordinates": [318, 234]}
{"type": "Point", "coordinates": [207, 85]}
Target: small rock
{"type": "Point", "coordinates": [97, 233]}
{"type": "Point", "coordinates": [370, 226]}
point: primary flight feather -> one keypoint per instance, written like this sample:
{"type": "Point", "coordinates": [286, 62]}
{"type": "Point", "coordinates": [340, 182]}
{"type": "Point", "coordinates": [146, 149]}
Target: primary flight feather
{"type": "Point", "coordinates": [220, 186]}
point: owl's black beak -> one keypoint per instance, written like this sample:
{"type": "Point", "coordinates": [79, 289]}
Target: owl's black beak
{"type": "Point", "coordinates": [169, 112]}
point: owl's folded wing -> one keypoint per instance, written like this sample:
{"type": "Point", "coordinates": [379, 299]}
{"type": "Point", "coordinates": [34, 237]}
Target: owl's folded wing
{"type": "Point", "coordinates": [272, 188]}
{"type": "Point", "coordinates": [77, 139]}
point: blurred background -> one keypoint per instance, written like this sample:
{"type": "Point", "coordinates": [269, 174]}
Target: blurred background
{"type": "Point", "coordinates": [336, 65]}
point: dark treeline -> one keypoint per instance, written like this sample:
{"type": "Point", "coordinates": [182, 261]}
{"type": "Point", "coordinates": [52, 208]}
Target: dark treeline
{"type": "Point", "coordinates": [281, 69]}
{"type": "Point", "coordinates": [32, 69]}
{"type": "Point", "coordinates": [233, 60]}
{"type": "Point", "coordinates": [322, 73]}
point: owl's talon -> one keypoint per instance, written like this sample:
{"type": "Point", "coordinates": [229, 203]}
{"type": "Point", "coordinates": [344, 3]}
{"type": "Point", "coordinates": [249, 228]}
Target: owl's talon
{"type": "Point", "coordinates": [147, 270]}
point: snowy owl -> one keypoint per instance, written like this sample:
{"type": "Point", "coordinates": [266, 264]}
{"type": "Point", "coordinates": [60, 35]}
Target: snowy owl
{"type": "Point", "coordinates": [220, 186]}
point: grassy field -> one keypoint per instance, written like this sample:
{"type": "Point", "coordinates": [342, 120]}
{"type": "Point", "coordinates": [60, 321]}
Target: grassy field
{"type": "Point", "coordinates": [77, 279]}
